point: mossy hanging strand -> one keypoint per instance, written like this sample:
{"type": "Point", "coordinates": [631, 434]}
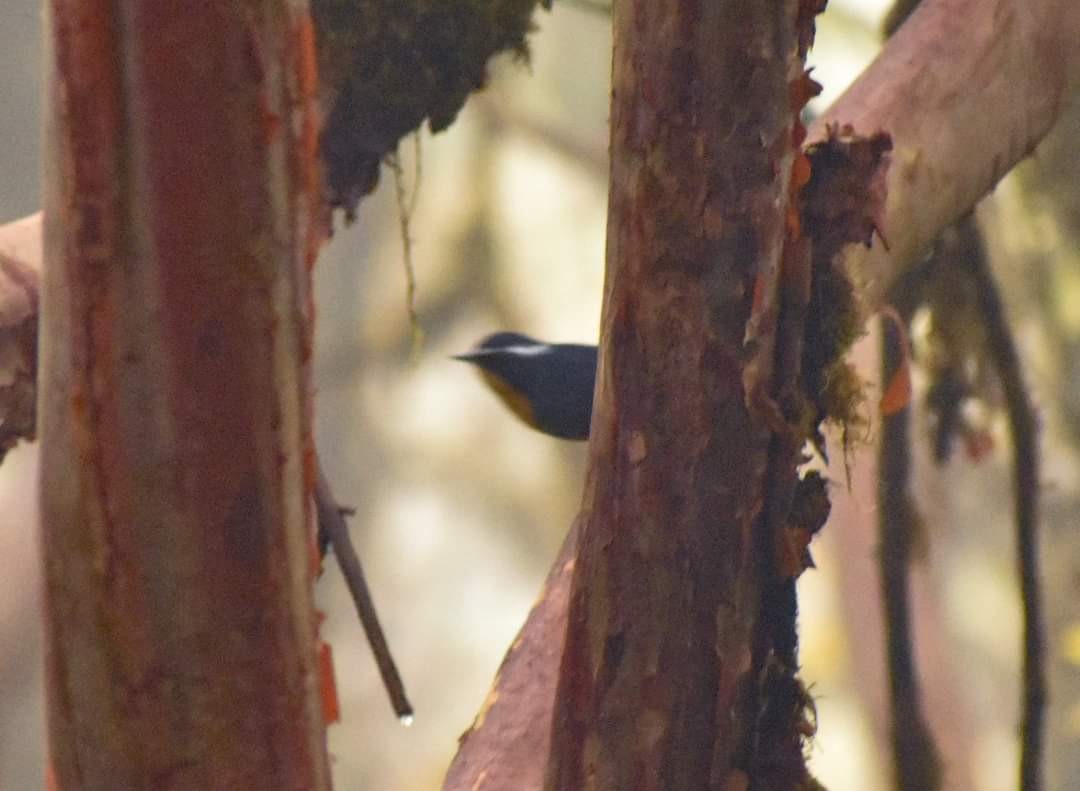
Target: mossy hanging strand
{"type": "Point", "coordinates": [406, 205]}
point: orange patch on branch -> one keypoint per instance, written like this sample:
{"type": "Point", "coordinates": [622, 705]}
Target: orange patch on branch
{"type": "Point", "coordinates": [328, 684]}
{"type": "Point", "coordinates": [897, 394]}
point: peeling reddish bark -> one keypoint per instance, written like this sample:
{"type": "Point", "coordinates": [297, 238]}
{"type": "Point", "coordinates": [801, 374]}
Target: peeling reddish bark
{"type": "Point", "coordinates": [174, 403]}
{"type": "Point", "coordinates": [655, 686]}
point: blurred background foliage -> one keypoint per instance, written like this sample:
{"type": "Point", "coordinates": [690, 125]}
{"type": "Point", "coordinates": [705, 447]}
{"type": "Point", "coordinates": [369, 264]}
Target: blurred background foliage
{"type": "Point", "coordinates": [460, 509]}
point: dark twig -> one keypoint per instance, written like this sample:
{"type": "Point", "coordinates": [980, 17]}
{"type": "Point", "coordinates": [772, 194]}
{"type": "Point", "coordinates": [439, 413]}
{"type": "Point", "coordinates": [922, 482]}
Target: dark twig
{"type": "Point", "coordinates": [1023, 425]}
{"type": "Point", "coordinates": [916, 758]}
{"type": "Point", "coordinates": [334, 532]}
{"type": "Point", "coordinates": [916, 761]}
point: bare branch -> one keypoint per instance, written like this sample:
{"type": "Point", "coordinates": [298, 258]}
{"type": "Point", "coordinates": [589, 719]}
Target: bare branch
{"type": "Point", "coordinates": [966, 89]}
{"type": "Point", "coordinates": [334, 532]}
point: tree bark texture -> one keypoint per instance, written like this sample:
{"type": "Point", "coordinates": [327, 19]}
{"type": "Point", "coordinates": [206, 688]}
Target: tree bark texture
{"type": "Point", "coordinates": [965, 89]}
{"type": "Point", "coordinates": [655, 676]}
{"type": "Point", "coordinates": [182, 212]}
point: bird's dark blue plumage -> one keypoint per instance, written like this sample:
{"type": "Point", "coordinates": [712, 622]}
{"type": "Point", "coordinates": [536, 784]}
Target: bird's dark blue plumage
{"type": "Point", "coordinates": [549, 385]}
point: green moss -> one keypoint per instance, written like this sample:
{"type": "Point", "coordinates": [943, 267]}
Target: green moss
{"type": "Point", "coordinates": [842, 204]}
{"type": "Point", "coordinates": [385, 68]}
{"type": "Point", "coordinates": [834, 323]}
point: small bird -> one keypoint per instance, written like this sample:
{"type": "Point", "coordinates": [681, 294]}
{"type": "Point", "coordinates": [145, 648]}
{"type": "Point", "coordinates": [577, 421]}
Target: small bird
{"type": "Point", "coordinates": [547, 385]}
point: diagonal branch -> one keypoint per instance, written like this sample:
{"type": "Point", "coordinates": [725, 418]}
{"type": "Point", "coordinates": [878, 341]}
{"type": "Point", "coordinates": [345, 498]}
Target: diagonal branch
{"type": "Point", "coordinates": [965, 89]}
{"type": "Point", "coordinates": [506, 745]}
{"type": "Point", "coordinates": [334, 533]}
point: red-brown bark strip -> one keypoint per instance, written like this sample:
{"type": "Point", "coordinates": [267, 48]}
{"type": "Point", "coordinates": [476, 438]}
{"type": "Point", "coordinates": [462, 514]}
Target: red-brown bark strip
{"type": "Point", "coordinates": [174, 403]}
{"type": "Point", "coordinates": [654, 678]}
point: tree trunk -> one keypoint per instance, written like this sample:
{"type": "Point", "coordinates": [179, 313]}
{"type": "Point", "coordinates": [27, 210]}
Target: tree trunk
{"type": "Point", "coordinates": [181, 213]}
{"type": "Point", "coordinates": [655, 688]}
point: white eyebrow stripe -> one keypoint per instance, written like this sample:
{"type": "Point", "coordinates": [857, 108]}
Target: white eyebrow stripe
{"type": "Point", "coordinates": [524, 351]}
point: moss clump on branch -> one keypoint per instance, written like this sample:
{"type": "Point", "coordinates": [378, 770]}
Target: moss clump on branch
{"type": "Point", "coordinates": [386, 67]}
{"type": "Point", "coordinates": [835, 323]}
{"type": "Point", "coordinates": [844, 204]}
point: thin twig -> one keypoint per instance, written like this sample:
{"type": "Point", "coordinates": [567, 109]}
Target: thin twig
{"type": "Point", "coordinates": [1024, 426]}
{"type": "Point", "coordinates": [334, 531]}
{"type": "Point", "coordinates": [916, 760]}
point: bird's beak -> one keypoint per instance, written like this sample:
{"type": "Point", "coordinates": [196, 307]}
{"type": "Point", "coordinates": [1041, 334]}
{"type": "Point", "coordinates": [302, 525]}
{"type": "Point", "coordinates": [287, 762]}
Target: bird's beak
{"type": "Point", "coordinates": [472, 356]}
